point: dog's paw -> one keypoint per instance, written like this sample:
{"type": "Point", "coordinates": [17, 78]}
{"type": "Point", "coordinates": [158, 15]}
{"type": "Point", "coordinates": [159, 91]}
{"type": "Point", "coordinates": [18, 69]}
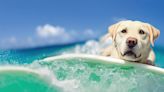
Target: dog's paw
{"type": "Point", "coordinates": [149, 62]}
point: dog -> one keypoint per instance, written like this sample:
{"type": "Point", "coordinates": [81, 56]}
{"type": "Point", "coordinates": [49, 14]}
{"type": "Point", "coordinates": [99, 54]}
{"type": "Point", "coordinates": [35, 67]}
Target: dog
{"type": "Point", "coordinates": [131, 41]}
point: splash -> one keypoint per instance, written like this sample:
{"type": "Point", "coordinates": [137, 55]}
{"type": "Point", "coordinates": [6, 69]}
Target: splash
{"type": "Point", "coordinates": [90, 47]}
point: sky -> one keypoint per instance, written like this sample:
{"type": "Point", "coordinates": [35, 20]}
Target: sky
{"type": "Point", "coordinates": [32, 23]}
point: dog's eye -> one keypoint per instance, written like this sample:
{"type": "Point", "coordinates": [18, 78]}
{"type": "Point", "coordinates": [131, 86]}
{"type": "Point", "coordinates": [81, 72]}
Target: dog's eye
{"type": "Point", "coordinates": [141, 32]}
{"type": "Point", "coordinates": [124, 31]}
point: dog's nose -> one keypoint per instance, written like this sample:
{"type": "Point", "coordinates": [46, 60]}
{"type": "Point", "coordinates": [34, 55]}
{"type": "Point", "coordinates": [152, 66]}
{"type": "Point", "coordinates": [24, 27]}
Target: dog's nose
{"type": "Point", "coordinates": [131, 42]}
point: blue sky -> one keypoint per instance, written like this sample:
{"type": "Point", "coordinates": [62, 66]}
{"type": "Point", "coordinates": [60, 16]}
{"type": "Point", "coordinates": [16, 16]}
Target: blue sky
{"type": "Point", "coordinates": [21, 21]}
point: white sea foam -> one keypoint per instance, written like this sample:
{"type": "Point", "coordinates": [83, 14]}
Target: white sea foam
{"type": "Point", "coordinates": [90, 47]}
{"type": "Point", "coordinates": [65, 85]}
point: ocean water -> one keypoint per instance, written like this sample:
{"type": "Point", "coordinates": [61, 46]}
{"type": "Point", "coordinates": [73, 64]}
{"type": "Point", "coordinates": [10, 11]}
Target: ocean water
{"type": "Point", "coordinates": [77, 75]}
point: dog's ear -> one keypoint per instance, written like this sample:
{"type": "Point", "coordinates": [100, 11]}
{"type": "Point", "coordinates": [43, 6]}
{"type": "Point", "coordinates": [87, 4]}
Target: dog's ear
{"type": "Point", "coordinates": [112, 30]}
{"type": "Point", "coordinates": [154, 33]}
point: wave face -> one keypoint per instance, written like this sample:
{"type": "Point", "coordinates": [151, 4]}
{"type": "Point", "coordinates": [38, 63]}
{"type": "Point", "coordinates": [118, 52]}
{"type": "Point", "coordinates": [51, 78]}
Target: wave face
{"type": "Point", "coordinates": [73, 75]}
{"type": "Point", "coordinates": [24, 81]}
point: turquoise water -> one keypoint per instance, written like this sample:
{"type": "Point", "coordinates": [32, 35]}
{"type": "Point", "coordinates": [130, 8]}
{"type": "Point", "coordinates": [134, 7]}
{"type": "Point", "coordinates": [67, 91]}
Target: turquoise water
{"type": "Point", "coordinates": [21, 81]}
{"type": "Point", "coordinates": [77, 75]}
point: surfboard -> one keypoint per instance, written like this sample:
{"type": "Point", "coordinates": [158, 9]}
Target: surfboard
{"type": "Point", "coordinates": [106, 60]}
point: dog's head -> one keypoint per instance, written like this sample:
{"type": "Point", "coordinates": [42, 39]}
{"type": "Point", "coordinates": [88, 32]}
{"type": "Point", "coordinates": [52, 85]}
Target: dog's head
{"type": "Point", "coordinates": [132, 39]}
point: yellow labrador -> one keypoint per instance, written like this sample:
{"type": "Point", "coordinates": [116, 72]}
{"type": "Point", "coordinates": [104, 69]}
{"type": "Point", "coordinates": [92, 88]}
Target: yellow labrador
{"type": "Point", "coordinates": [131, 41]}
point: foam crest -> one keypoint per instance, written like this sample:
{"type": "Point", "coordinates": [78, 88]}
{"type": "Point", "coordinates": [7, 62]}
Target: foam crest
{"type": "Point", "coordinates": [90, 47]}
{"type": "Point", "coordinates": [45, 72]}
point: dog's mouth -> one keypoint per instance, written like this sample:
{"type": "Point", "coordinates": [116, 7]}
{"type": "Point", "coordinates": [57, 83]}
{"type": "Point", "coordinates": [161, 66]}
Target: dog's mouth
{"type": "Point", "coordinates": [130, 53]}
